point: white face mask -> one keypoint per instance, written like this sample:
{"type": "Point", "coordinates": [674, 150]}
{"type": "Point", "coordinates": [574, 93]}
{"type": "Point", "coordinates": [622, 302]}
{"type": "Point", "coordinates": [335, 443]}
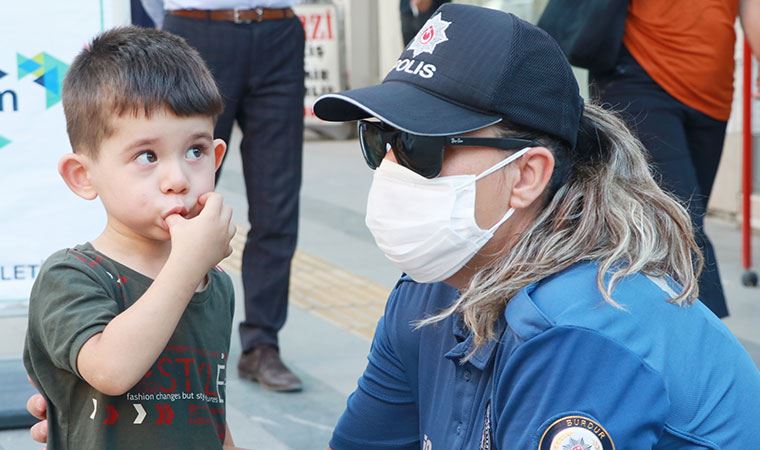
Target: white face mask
{"type": "Point", "coordinates": [426, 227]}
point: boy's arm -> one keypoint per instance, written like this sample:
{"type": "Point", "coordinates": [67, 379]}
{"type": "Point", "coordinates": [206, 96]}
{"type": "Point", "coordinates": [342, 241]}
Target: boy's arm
{"type": "Point", "coordinates": [117, 358]}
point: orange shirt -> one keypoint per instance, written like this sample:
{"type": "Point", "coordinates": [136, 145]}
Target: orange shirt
{"type": "Point", "coordinates": [687, 47]}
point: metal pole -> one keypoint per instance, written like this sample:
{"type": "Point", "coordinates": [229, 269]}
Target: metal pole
{"type": "Point", "coordinates": [749, 278]}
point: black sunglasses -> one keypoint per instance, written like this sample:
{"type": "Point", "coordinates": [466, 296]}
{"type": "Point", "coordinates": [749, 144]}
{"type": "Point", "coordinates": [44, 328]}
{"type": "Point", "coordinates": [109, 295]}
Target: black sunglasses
{"type": "Point", "coordinates": [421, 154]}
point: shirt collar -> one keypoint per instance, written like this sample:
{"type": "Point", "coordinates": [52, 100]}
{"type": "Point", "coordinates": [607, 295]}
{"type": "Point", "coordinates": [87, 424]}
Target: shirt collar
{"type": "Point", "coordinates": [465, 341]}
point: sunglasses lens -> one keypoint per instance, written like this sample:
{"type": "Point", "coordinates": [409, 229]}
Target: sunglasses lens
{"type": "Point", "coordinates": [421, 154]}
{"type": "Point", "coordinates": [372, 143]}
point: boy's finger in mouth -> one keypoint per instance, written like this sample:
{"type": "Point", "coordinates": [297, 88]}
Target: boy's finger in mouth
{"type": "Point", "coordinates": [181, 210]}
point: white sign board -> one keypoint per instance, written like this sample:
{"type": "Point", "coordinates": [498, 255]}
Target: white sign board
{"type": "Point", "coordinates": [38, 213]}
{"type": "Point", "coordinates": [321, 55]}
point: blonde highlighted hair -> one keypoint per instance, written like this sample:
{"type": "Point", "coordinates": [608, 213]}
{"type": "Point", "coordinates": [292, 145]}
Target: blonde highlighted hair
{"type": "Point", "coordinates": [603, 206]}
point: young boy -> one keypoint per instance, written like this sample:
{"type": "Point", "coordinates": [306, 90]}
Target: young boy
{"type": "Point", "coordinates": [129, 333]}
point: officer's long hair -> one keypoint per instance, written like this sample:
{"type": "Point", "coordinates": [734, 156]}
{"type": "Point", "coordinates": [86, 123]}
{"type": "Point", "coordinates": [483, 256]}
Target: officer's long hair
{"type": "Point", "coordinates": [602, 204]}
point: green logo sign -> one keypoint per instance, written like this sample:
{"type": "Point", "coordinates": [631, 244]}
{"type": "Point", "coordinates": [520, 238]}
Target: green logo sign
{"type": "Point", "coordinates": [48, 70]}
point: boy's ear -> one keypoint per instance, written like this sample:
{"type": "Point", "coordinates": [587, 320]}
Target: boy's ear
{"type": "Point", "coordinates": [220, 148]}
{"type": "Point", "coordinates": [74, 171]}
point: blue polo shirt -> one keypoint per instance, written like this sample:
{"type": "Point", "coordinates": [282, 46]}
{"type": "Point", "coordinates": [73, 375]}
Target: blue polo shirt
{"type": "Point", "coordinates": [568, 371]}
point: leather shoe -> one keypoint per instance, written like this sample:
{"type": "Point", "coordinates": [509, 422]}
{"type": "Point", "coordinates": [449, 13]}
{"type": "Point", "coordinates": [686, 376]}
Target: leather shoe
{"type": "Point", "coordinates": [263, 365]}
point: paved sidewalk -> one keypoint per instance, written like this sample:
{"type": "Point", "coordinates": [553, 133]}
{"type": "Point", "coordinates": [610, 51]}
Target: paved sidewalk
{"type": "Point", "coordinates": [338, 288]}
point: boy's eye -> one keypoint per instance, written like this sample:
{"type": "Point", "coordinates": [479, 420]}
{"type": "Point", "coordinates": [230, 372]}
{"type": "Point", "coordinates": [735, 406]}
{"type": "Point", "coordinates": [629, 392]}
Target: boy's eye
{"type": "Point", "coordinates": [146, 157]}
{"type": "Point", "coordinates": [194, 153]}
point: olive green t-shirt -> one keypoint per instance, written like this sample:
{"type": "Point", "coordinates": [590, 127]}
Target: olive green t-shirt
{"type": "Point", "coordinates": [178, 404]}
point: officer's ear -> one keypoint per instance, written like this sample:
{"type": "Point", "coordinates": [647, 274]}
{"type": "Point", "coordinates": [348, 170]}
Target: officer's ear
{"type": "Point", "coordinates": [75, 171]}
{"type": "Point", "coordinates": [535, 170]}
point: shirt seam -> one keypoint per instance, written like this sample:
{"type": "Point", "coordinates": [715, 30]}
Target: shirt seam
{"type": "Point", "coordinates": [694, 439]}
{"type": "Point", "coordinates": [552, 323]}
{"type": "Point", "coordinates": [345, 442]}
{"type": "Point", "coordinates": [393, 342]}
{"type": "Point", "coordinates": [611, 339]}
{"type": "Point", "coordinates": [603, 336]}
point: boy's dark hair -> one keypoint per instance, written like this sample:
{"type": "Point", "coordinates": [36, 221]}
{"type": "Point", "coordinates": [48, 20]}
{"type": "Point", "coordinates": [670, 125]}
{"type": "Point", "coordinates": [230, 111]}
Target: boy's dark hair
{"type": "Point", "coordinates": [134, 70]}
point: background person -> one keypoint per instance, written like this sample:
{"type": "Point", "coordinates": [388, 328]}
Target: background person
{"type": "Point", "coordinates": [414, 14]}
{"type": "Point", "coordinates": [678, 102]}
{"type": "Point", "coordinates": [255, 50]}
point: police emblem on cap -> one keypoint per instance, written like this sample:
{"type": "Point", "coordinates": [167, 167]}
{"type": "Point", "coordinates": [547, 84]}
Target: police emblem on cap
{"type": "Point", "coordinates": [575, 432]}
{"type": "Point", "coordinates": [430, 35]}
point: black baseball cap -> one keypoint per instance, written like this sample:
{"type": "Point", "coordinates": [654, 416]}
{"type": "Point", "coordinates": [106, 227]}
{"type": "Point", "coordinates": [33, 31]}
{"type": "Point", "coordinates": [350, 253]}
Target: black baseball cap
{"type": "Point", "coordinates": [470, 67]}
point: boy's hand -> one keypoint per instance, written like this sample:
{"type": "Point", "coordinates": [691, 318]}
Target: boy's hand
{"type": "Point", "coordinates": [204, 239]}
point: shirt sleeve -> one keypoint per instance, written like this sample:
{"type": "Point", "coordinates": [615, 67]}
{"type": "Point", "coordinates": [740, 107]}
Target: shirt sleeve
{"type": "Point", "coordinates": [567, 380]}
{"type": "Point", "coordinates": [382, 412]}
{"type": "Point", "coordinates": [228, 291]}
{"type": "Point", "coordinates": [68, 305]}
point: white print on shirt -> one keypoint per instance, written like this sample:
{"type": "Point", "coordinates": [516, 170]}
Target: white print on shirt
{"type": "Point", "coordinates": [140, 413]}
{"type": "Point", "coordinates": [427, 444]}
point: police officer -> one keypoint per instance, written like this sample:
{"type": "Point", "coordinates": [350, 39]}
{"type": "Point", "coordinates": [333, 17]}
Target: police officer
{"type": "Point", "coordinates": [550, 292]}
{"type": "Point", "coordinates": [549, 296]}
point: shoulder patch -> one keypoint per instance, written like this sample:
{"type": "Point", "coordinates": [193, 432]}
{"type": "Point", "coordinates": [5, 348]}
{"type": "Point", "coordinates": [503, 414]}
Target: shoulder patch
{"type": "Point", "coordinates": [575, 432]}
